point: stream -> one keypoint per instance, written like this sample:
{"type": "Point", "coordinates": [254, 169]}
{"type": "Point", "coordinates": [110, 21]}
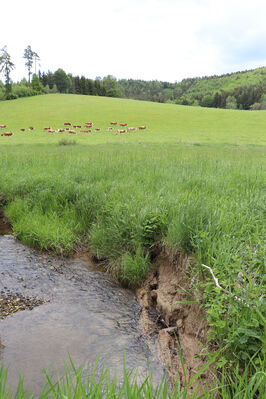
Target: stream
{"type": "Point", "coordinates": [84, 314]}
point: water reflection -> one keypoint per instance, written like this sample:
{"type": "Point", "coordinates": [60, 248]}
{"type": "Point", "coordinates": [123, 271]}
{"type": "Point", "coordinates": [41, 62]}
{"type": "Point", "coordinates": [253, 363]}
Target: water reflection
{"type": "Point", "coordinates": [86, 313]}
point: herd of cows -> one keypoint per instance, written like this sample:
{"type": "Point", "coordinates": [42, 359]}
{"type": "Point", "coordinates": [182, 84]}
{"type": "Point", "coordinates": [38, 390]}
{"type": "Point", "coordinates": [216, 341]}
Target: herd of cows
{"type": "Point", "coordinates": [72, 129]}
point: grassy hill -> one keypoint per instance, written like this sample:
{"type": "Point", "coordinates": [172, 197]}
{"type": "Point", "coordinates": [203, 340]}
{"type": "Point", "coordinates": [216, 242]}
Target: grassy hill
{"type": "Point", "coordinates": [166, 123]}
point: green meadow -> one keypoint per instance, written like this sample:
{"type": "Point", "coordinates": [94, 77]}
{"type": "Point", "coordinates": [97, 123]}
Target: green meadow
{"type": "Point", "coordinates": [167, 123]}
{"type": "Point", "coordinates": [193, 182]}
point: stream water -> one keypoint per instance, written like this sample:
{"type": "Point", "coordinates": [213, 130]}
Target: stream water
{"type": "Point", "coordinates": [85, 314]}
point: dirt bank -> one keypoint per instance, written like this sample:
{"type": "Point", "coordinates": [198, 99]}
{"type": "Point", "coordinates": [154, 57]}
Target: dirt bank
{"type": "Point", "coordinates": [5, 227]}
{"type": "Point", "coordinates": [169, 289]}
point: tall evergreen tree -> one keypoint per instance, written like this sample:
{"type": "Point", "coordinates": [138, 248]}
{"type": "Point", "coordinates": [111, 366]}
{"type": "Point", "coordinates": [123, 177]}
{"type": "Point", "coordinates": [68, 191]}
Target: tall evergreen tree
{"type": "Point", "coordinates": [30, 56]}
{"type": "Point", "coordinates": [6, 65]}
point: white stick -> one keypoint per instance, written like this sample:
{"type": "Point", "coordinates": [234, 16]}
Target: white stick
{"type": "Point", "coordinates": [218, 285]}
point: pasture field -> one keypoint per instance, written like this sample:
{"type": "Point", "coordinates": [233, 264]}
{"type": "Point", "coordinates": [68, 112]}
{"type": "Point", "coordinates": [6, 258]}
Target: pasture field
{"type": "Point", "coordinates": [192, 182]}
{"type": "Point", "coordinates": [167, 123]}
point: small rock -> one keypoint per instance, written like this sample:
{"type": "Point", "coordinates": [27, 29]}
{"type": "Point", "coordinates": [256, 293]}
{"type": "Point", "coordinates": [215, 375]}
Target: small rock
{"type": "Point", "coordinates": [179, 323]}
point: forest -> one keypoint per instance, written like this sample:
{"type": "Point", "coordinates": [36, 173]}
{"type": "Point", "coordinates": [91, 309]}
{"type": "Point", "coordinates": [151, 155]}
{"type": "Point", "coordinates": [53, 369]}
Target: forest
{"type": "Point", "coordinates": [239, 90]}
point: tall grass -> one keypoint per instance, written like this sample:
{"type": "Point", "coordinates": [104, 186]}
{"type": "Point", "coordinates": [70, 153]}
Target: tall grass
{"type": "Point", "coordinates": [76, 383]}
{"type": "Point", "coordinates": [124, 200]}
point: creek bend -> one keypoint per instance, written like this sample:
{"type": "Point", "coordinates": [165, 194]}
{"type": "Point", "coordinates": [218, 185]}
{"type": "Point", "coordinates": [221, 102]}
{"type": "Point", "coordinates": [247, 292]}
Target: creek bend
{"type": "Point", "coordinates": [84, 313]}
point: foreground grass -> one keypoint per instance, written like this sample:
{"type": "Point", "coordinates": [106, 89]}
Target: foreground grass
{"type": "Point", "coordinates": [75, 383]}
{"type": "Point", "coordinates": [123, 200]}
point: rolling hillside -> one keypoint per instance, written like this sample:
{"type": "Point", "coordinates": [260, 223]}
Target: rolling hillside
{"type": "Point", "coordinates": [166, 123]}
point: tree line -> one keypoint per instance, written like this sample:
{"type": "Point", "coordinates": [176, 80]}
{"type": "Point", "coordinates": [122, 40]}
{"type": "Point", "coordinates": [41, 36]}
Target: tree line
{"type": "Point", "coordinates": [239, 90]}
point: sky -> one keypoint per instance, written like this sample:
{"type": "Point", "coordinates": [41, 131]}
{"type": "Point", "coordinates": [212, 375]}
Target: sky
{"type": "Point", "coordinates": [166, 40]}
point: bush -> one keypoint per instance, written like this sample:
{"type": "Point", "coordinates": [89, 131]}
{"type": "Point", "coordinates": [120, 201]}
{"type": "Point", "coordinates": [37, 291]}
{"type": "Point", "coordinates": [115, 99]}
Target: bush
{"type": "Point", "coordinates": [207, 101]}
{"type": "Point", "coordinates": [11, 96]}
{"type": "Point", "coordinates": [22, 90]}
{"type": "Point", "coordinates": [133, 269]}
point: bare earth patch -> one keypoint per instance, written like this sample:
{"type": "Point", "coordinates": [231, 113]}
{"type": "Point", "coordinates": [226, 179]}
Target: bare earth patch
{"type": "Point", "coordinates": [169, 289]}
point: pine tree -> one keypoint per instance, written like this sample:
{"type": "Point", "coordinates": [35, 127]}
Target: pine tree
{"type": "Point", "coordinates": [6, 65]}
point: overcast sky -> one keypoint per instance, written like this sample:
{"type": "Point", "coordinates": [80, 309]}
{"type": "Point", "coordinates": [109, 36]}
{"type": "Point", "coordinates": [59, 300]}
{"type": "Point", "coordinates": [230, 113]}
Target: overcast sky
{"type": "Point", "coordinates": [166, 40]}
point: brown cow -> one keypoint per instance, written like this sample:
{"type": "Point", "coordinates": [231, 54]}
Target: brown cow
{"type": "Point", "coordinates": [7, 134]}
{"type": "Point", "coordinates": [31, 128]}
{"type": "Point", "coordinates": [121, 131]}
{"type": "Point", "coordinates": [60, 130]}
{"type": "Point", "coordinates": [113, 123]}
{"type": "Point", "coordinates": [67, 124]}
{"type": "Point", "coordinates": [109, 129]}
{"type": "Point", "coordinates": [97, 129]}
{"type": "Point", "coordinates": [142, 127]}
{"type": "Point", "coordinates": [85, 131]}
{"type": "Point", "coordinates": [131, 129]}
{"type": "Point", "coordinates": [22, 130]}
{"type": "Point", "coordinates": [47, 128]}
{"type": "Point", "coordinates": [72, 132]}
{"type": "Point", "coordinates": [51, 131]}
{"type": "Point", "coordinates": [2, 126]}
{"type": "Point", "coordinates": [123, 124]}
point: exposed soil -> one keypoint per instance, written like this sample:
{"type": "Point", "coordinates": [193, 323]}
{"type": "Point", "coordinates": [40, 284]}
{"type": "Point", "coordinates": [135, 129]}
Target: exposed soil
{"type": "Point", "coordinates": [5, 226]}
{"type": "Point", "coordinates": [169, 289]}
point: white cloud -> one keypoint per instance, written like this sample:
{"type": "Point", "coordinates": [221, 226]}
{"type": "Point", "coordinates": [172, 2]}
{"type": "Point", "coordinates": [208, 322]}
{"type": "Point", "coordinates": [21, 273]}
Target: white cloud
{"type": "Point", "coordinates": [147, 39]}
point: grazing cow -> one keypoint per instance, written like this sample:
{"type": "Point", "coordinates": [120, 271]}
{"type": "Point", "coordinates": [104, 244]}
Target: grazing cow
{"type": "Point", "coordinates": [47, 128]}
{"type": "Point", "coordinates": [67, 124]}
{"type": "Point", "coordinates": [97, 129]}
{"type": "Point", "coordinates": [89, 123]}
{"type": "Point", "coordinates": [31, 127]}
{"type": "Point", "coordinates": [72, 132]}
{"type": "Point", "coordinates": [109, 129]}
{"type": "Point", "coordinates": [77, 126]}
{"type": "Point", "coordinates": [61, 130]}
{"type": "Point", "coordinates": [85, 131]}
{"type": "Point", "coordinates": [2, 126]}
{"type": "Point", "coordinates": [131, 129]}
{"type": "Point", "coordinates": [22, 130]}
{"type": "Point", "coordinates": [142, 127]}
{"type": "Point", "coordinates": [121, 131]}
{"type": "Point", "coordinates": [67, 128]}
{"type": "Point", "coordinates": [113, 123]}
{"type": "Point", "coordinates": [123, 124]}
{"type": "Point", "coordinates": [51, 131]}
{"type": "Point", "coordinates": [7, 134]}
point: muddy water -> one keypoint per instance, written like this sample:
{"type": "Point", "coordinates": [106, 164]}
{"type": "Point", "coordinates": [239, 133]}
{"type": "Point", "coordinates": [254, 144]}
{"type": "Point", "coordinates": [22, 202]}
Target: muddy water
{"type": "Point", "coordinates": [85, 313]}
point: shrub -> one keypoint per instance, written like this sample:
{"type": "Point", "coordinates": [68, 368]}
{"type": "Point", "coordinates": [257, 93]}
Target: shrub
{"type": "Point", "coordinates": [11, 96]}
{"type": "Point", "coordinates": [133, 269]}
{"type": "Point", "coordinates": [66, 142]}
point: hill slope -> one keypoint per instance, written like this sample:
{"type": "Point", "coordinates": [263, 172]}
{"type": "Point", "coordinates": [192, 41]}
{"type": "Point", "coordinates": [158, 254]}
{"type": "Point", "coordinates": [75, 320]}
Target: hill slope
{"type": "Point", "coordinates": [165, 122]}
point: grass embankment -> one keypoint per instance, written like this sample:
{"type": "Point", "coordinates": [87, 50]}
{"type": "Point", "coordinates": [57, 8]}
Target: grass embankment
{"type": "Point", "coordinates": [125, 195]}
